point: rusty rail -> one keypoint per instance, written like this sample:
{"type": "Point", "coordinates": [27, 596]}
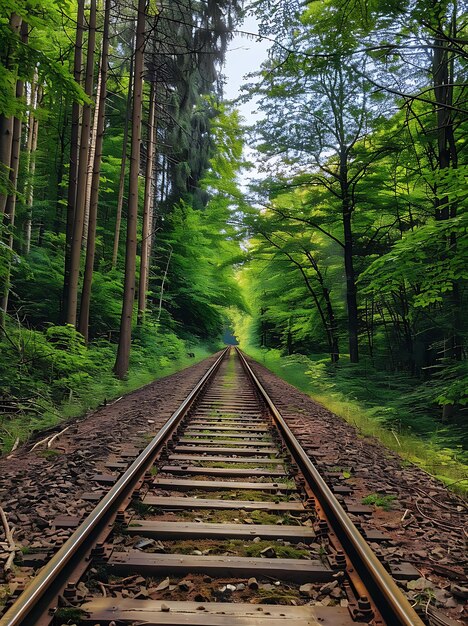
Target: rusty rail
{"type": "Point", "coordinates": [389, 599]}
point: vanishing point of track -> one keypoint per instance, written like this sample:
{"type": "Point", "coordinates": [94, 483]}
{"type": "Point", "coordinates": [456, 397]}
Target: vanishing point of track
{"type": "Point", "coordinates": [222, 497]}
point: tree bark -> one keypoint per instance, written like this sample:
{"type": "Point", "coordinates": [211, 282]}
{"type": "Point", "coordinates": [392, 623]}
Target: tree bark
{"type": "Point", "coordinates": [6, 127]}
{"type": "Point", "coordinates": [83, 326]}
{"type": "Point", "coordinates": [75, 252]}
{"type": "Point", "coordinates": [10, 208]}
{"type": "Point", "coordinates": [351, 291]}
{"type": "Point", "coordinates": [74, 151]}
{"type": "Point", "coordinates": [123, 350]}
{"type": "Point", "coordinates": [36, 97]}
{"type": "Point", "coordinates": [447, 157]}
{"type": "Point", "coordinates": [147, 212]}
{"type": "Point", "coordinates": [118, 215]}
{"type": "Point", "coordinates": [91, 156]}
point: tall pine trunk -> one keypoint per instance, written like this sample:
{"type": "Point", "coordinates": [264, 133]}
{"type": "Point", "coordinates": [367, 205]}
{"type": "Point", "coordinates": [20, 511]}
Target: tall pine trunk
{"type": "Point", "coordinates": [83, 326]}
{"type": "Point", "coordinates": [123, 350]}
{"type": "Point", "coordinates": [75, 251]}
{"type": "Point", "coordinates": [10, 207]}
{"type": "Point", "coordinates": [123, 165]}
{"type": "Point", "coordinates": [74, 153]}
{"type": "Point", "coordinates": [146, 237]}
{"type": "Point", "coordinates": [6, 124]}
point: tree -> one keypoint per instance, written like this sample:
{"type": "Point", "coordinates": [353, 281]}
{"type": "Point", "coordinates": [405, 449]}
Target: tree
{"type": "Point", "coordinates": [123, 351]}
{"type": "Point", "coordinates": [83, 326]}
{"type": "Point", "coordinates": [79, 214]}
{"type": "Point", "coordinates": [146, 234]}
{"type": "Point", "coordinates": [74, 151]}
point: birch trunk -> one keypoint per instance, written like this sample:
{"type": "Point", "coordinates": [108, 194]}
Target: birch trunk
{"type": "Point", "coordinates": [92, 154]}
{"type": "Point", "coordinates": [36, 97]}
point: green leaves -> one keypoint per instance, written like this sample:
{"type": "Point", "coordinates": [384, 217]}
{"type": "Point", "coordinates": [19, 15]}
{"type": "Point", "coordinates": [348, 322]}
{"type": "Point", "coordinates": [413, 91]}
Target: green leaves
{"type": "Point", "coordinates": [430, 260]}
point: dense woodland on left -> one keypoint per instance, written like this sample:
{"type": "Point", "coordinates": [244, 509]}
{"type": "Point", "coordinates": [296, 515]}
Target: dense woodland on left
{"type": "Point", "coordinates": [113, 137]}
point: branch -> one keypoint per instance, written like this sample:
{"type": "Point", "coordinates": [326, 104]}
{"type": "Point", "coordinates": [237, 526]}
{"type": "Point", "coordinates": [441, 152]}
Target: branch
{"type": "Point", "coordinates": [9, 538]}
{"type": "Point", "coordinates": [309, 222]}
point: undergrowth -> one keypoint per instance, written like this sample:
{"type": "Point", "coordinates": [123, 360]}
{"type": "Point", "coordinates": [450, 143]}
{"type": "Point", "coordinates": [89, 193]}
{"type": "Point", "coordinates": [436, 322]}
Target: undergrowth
{"type": "Point", "coordinates": [398, 410]}
{"type": "Point", "coordinates": [50, 376]}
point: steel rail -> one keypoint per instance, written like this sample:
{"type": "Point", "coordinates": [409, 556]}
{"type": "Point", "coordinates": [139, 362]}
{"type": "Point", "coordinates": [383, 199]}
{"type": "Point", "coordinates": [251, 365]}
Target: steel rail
{"type": "Point", "coordinates": [30, 604]}
{"type": "Point", "coordinates": [390, 600]}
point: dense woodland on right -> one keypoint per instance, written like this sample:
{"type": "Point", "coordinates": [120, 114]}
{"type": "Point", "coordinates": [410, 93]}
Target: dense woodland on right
{"type": "Point", "coordinates": [359, 249]}
{"type": "Point", "coordinates": [342, 264]}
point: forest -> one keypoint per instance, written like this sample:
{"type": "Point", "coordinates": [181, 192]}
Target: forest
{"type": "Point", "coordinates": [136, 228]}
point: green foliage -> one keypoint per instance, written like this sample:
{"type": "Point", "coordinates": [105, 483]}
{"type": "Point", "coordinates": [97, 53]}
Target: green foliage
{"type": "Point", "coordinates": [46, 36]}
{"type": "Point", "coordinates": [49, 375]}
{"type": "Point", "coordinates": [428, 257]}
{"type": "Point", "coordinates": [382, 501]}
{"type": "Point", "coordinates": [365, 181]}
{"type": "Point", "coordinates": [365, 403]}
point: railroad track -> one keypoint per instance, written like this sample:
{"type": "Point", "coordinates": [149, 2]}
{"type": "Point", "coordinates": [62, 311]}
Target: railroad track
{"type": "Point", "coordinates": [221, 520]}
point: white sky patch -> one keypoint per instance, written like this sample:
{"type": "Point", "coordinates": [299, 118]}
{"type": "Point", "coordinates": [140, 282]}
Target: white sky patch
{"type": "Point", "coordinates": [244, 56]}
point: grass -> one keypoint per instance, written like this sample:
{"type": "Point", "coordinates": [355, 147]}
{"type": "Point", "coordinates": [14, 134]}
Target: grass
{"type": "Point", "coordinates": [69, 615]}
{"type": "Point", "coordinates": [244, 494]}
{"type": "Point", "coordinates": [383, 502]}
{"type": "Point", "coordinates": [238, 547]}
{"type": "Point", "coordinates": [50, 454]}
{"type": "Point", "coordinates": [431, 451]}
{"type": "Point", "coordinates": [276, 596]}
{"type": "Point", "coordinates": [104, 388]}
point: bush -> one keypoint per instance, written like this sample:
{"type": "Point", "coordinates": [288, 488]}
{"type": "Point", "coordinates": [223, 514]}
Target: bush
{"type": "Point", "coordinates": [49, 375]}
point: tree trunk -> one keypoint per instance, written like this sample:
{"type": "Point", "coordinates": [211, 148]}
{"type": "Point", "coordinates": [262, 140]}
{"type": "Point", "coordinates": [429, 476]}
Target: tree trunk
{"type": "Point", "coordinates": [163, 282]}
{"type": "Point", "coordinates": [83, 326]}
{"type": "Point", "coordinates": [351, 291]}
{"type": "Point", "coordinates": [36, 97]}
{"type": "Point", "coordinates": [123, 350]}
{"type": "Point", "coordinates": [74, 151]}
{"type": "Point", "coordinates": [10, 208]}
{"type": "Point", "coordinates": [447, 157]}
{"type": "Point", "coordinates": [6, 128]}
{"type": "Point", "coordinates": [147, 226]}
{"type": "Point", "coordinates": [118, 215]}
{"type": "Point", "coordinates": [91, 156]}
{"type": "Point", "coordinates": [332, 331]}
{"type": "Point", "coordinates": [75, 251]}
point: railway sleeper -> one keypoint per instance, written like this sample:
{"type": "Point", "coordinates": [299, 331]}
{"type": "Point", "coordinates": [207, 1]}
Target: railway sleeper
{"type": "Point", "coordinates": [152, 564]}
{"type": "Point", "coordinates": [104, 611]}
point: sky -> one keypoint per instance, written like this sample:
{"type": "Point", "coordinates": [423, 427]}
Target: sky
{"type": "Point", "coordinates": [244, 56]}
